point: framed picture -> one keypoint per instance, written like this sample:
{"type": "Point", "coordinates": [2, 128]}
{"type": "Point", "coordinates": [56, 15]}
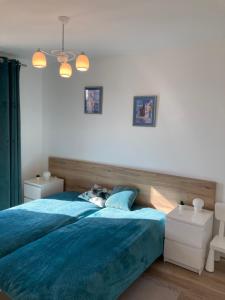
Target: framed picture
{"type": "Point", "coordinates": [144, 112]}
{"type": "Point", "coordinates": [93, 100]}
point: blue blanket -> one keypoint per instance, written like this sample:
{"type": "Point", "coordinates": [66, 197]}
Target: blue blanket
{"type": "Point", "coordinates": [28, 222]}
{"type": "Point", "coordinates": [96, 258]}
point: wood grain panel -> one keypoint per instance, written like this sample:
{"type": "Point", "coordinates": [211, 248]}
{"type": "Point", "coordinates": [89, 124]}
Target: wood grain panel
{"type": "Point", "coordinates": [160, 191]}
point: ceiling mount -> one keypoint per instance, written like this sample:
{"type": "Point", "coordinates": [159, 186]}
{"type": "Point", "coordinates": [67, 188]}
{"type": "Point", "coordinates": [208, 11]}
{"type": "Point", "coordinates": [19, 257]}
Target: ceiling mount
{"type": "Point", "coordinates": [64, 19]}
{"type": "Point", "coordinates": [63, 56]}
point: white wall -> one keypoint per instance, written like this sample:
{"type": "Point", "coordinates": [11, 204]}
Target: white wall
{"type": "Point", "coordinates": [189, 137]}
{"type": "Point", "coordinates": [31, 121]}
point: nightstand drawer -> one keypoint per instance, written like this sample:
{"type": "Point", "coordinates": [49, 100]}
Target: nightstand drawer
{"type": "Point", "coordinates": [32, 192]}
{"type": "Point", "coordinates": [187, 236]}
{"type": "Point", "coordinates": [185, 233]}
{"type": "Point", "coordinates": [183, 255]}
{"type": "Point", "coordinates": [40, 188]}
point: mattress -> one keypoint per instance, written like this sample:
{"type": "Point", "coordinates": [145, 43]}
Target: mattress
{"type": "Point", "coordinates": [28, 222]}
{"type": "Point", "coordinates": [96, 258]}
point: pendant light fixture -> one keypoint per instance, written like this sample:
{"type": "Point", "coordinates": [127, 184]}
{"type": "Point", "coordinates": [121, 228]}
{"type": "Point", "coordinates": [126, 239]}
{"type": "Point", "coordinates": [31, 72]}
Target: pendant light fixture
{"type": "Point", "coordinates": [39, 60]}
{"type": "Point", "coordinates": [82, 62]}
{"type": "Point", "coordinates": [65, 70]}
{"type": "Point", "coordinates": [63, 57]}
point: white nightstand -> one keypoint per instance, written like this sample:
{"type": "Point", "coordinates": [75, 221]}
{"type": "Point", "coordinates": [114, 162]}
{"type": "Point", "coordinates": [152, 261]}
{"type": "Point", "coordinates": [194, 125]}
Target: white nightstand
{"type": "Point", "coordinates": [39, 188]}
{"type": "Point", "coordinates": [187, 237]}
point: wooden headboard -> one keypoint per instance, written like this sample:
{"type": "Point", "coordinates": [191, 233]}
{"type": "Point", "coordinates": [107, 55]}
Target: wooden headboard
{"type": "Point", "coordinates": [160, 191]}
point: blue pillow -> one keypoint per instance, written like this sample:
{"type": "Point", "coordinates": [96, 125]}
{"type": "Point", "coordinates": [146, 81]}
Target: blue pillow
{"type": "Point", "coordinates": [122, 197]}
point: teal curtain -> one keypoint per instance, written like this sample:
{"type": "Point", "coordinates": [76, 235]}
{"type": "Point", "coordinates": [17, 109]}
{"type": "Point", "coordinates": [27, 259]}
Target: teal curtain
{"type": "Point", "coordinates": [10, 149]}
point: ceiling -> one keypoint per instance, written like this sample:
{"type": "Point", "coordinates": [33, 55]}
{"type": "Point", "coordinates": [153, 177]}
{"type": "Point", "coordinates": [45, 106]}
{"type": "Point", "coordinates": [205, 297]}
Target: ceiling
{"type": "Point", "coordinates": [108, 27]}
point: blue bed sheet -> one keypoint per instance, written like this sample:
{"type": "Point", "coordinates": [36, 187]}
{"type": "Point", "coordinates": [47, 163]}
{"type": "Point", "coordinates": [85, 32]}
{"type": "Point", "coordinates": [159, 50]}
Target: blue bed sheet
{"type": "Point", "coordinates": [96, 258]}
{"type": "Point", "coordinates": [28, 222]}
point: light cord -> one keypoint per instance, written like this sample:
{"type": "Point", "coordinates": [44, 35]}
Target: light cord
{"type": "Point", "coordinates": [63, 37]}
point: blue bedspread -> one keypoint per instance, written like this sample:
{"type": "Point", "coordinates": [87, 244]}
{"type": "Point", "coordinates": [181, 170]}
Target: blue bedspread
{"type": "Point", "coordinates": [28, 222]}
{"type": "Point", "coordinates": [96, 258]}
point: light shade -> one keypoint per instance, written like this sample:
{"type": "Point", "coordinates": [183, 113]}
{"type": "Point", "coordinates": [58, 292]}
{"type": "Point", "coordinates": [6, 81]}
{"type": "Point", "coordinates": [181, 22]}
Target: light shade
{"type": "Point", "coordinates": [39, 60]}
{"type": "Point", "coordinates": [82, 62]}
{"type": "Point", "coordinates": [65, 70]}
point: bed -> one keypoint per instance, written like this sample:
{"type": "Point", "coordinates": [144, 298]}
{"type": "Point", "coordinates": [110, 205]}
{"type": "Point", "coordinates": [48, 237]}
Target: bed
{"type": "Point", "coordinates": [78, 251]}
{"type": "Point", "coordinates": [96, 258]}
{"type": "Point", "coordinates": [27, 222]}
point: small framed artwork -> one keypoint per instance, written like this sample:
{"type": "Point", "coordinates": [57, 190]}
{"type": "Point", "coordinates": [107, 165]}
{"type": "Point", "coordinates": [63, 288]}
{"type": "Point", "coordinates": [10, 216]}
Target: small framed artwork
{"type": "Point", "coordinates": [93, 100]}
{"type": "Point", "coordinates": [144, 111]}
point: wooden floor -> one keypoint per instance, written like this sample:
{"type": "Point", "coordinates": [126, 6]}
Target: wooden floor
{"type": "Point", "coordinates": [208, 286]}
